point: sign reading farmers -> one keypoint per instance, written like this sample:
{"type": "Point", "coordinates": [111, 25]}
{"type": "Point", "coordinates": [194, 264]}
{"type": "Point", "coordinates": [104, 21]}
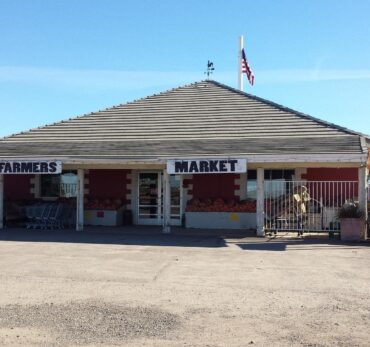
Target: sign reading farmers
{"type": "Point", "coordinates": [206, 166]}
{"type": "Point", "coordinates": [30, 167]}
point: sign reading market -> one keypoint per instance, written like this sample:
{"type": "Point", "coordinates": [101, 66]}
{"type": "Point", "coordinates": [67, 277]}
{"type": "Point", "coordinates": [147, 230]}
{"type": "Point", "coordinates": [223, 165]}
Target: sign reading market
{"type": "Point", "coordinates": [30, 167]}
{"type": "Point", "coordinates": [206, 166]}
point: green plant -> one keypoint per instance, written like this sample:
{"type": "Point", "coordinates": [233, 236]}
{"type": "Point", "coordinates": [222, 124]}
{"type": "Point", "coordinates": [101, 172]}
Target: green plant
{"type": "Point", "coordinates": [350, 209]}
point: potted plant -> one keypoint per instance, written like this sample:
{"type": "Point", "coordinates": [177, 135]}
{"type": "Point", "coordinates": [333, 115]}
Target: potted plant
{"type": "Point", "coordinates": [352, 224]}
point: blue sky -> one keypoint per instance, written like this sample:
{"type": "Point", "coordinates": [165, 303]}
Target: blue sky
{"type": "Point", "coordinates": [62, 58]}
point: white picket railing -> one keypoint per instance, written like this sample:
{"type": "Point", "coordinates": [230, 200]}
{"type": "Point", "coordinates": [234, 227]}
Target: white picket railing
{"type": "Point", "coordinates": [306, 205]}
{"type": "Point", "coordinates": [68, 190]}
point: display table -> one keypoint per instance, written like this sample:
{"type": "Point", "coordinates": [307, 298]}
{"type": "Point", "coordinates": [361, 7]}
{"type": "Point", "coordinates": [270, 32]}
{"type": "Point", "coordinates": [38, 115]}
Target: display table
{"type": "Point", "coordinates": [103, 217]}
{"type": "Point", "coordinates": [221, 220]}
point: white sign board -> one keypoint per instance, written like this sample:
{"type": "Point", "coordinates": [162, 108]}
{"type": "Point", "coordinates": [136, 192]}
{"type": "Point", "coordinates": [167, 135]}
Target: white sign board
{"type": "Point", "coordinates": [206, 166]}
{"type": "Point", "coordinates": [30, 167]}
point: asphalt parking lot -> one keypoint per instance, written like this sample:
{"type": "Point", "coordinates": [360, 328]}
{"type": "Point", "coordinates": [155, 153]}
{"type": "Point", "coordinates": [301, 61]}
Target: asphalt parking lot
{"type": "Point", "coordinates": [68, 289]}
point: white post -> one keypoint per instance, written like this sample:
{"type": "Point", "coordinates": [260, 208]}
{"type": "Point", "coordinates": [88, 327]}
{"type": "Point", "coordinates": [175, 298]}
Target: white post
{"type": "Point", "coordinates": [166, 202]}
{"type": "Point", "coordinates": [80, 200]}
{"type": "Point", "coordinates": [1, 201]}
{"type": "Point", "coordinates": [240, 74]}
{"type": "Point", "coordinates": [362, 196]}
{"type": "Point", "coordinates": [260, 202]}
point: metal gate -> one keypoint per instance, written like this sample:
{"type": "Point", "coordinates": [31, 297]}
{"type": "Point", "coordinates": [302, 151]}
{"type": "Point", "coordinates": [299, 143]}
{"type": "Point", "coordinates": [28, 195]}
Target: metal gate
{"type": "Point", "coordinates": [305, 205]}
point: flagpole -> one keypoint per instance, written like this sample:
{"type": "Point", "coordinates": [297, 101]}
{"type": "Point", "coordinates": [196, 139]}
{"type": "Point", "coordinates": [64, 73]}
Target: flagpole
{"type": "Point", "coordinates": [240, 74]}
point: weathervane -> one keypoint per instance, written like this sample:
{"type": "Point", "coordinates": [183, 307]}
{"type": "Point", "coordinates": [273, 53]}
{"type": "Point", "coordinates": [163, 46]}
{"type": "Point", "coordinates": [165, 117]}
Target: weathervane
{"type": "Point", "coordinates": [210, 69]}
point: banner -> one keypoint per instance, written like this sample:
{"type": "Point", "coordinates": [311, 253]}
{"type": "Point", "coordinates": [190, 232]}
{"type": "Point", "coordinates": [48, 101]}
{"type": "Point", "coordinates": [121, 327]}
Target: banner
{"type": "Point", "coordinates": [206, 166]}
{"type": "Point", "coordinates": [30, 167]}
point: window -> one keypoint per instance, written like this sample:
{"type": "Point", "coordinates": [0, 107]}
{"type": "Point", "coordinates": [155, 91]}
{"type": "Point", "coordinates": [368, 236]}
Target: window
{"type": "Point", "coordinates": [252, 184]}
{"type": "Point", "coordinates": [54, 186]}
{"type": "Point", "coordinates": [274, 182]}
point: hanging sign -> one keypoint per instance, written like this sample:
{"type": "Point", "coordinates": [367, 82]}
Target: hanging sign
{"type": "Point", "coordinates": [30, 167]}
{"type": "Point", "coordinates": [206, 166]}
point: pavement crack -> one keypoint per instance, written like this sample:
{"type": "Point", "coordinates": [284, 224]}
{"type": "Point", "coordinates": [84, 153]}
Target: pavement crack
{"type": "Point", "coordinates": [163, 269]}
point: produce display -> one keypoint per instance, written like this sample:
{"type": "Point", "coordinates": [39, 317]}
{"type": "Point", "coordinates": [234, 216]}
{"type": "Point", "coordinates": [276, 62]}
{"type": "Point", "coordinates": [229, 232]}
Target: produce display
{"type": "Point", "coordinates": [103, 204]}
{"type": "Point", "coordinates": [220, 205]}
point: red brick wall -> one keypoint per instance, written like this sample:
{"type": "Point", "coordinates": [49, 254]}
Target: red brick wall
{"type": "Point", "coordinates": [108, 183]}
{"type": "Point", "coordinates": [215, 186]}
{"type": "Point", "coordinates": [18, 187]}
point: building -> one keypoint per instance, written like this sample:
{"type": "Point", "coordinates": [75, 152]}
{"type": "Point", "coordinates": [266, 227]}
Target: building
{"type": "Point", "coordinates": [200, 148]}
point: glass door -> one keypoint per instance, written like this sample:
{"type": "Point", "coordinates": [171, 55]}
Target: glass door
{"type": "Point", "coordinates": [150, 198]}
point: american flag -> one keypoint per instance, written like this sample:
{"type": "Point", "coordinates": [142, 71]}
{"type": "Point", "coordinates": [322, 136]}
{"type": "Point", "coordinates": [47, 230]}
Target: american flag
{"type": "Point", "coordinates": [246, 68]}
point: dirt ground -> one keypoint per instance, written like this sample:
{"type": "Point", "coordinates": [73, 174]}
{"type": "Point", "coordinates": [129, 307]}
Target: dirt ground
{"type": "Point", "coordinates": [64, 289]}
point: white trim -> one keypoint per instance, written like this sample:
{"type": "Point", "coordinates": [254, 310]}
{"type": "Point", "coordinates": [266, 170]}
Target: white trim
{"type": "Point", "coordinates": [253, 158]}
{"type": "Point", "coordinates": [308, 158]}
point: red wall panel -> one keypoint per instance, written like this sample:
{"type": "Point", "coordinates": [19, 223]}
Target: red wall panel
{"type": "Point", "coordinates": [108, 183]}
{"type": "Point", "coordinates": [331, 174]}
{"type": "Point", "coordinates": [17, 187]}
{"type": "Point", "coordinates": [214, 186]}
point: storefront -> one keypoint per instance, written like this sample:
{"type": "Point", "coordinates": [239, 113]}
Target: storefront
{"type": "Point", "coordinates": [199, 156]}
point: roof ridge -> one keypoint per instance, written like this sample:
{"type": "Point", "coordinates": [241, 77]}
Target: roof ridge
{"type": "Point", "coordinates": [284, 108]}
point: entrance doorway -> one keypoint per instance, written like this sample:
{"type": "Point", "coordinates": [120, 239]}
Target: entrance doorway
{"type": "Point", "coordinates": [150, 198]}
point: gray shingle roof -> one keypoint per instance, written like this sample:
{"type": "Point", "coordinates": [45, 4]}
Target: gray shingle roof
{"type": "Point", "coordinates": [203, 118]}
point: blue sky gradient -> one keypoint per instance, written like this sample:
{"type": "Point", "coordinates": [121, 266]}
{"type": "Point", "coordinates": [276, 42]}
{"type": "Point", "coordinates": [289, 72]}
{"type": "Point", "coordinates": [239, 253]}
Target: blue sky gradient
{"type": "Point", "coordinates": [64, 58]}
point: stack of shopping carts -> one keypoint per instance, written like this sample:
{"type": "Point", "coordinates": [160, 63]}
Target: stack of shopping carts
{"type": "Point", "coordinates": [52, 215]}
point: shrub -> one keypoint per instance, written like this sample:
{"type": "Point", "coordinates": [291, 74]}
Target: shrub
{"type": "Point", "coordinates": [350, 210]}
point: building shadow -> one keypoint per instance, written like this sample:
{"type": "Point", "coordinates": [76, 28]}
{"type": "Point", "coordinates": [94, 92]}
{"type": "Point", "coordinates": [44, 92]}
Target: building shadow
{"type": "Point", "coordinates": [179, 237]}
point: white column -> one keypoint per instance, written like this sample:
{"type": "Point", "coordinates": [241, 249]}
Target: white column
{"type": "Point", "coordinates": [362, 196]}
{"type": "Point", "coordinates": [260, 202]}
{"type": "Point", "coordinates": [166, 202]}
{"type": "Point", "coordinates": [1, 201]}
{"type": "Point", "coordinates": [240, 74]}
{"type": "Point", "coordinates": [80, 200]}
